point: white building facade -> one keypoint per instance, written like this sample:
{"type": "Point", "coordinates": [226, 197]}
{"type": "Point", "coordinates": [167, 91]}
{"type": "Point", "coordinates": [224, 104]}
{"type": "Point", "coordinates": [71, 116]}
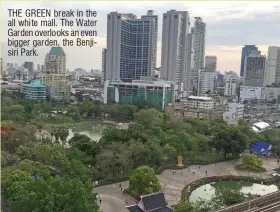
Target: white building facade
{"type": "Point", "coordinates": [230, 83]}
{"type": "Point", "coordinates": [251, 92]}
{"type": "Point", "coordinates": [206, 82]}
{"type": "Point", "coordinates": [233, 113]}
{"type": "Point", "coordinates": [174, 47]}
{"type": "Point", "coordinates": [199, 102]}
{"type": "Point", "coordinates": [273, 66]}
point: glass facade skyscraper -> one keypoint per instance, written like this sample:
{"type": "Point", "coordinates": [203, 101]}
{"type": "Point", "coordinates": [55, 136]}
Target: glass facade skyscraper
{"type": "Point", "coordinates": [130, 47]}
{"type": "Point", "coordinates": [246, 51]}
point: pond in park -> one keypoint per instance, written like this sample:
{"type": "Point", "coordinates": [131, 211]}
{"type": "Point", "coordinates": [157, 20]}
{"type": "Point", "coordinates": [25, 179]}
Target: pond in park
{"type": "Point", "coordinates": [207, 192]}
{"type": "Point", "coordinates": [93, 131]}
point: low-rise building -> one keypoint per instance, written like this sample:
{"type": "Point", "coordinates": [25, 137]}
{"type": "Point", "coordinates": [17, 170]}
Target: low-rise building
{"type": "Point", "coordinates": [251, 93]}
{"type": "Point", "coordinates": [233, 113]}
{"type": "Point", "coordinates": [181, 110]}
{"type": "Point", "coordinates": [272, 94]}
{"type": "Point", "coordinates": [34, 90]}
{"type": "Point", "coordinates": [159, 93]}
{"type": "Point", "coordinates": [198, 102]}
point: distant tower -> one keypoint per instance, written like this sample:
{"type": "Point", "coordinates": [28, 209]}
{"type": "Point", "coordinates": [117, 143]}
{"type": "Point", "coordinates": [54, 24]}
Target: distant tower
{"type": "Point", "coordinates": [174, 47]}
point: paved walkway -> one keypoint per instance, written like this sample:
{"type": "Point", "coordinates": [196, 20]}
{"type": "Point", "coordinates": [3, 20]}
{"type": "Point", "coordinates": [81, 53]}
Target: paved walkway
{"type": "Point", "coordinates": [173, 184]}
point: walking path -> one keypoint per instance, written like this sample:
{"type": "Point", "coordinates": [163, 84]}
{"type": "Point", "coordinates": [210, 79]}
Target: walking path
{"type": "Point", "coordinates": [173, 183]}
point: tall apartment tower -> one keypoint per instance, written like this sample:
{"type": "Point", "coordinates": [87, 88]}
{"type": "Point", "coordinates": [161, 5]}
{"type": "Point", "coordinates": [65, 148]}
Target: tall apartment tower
{"type": "Point", "coordinates": [104, 53]}
{"type": "Point", "coordinates": [199, 46]}
{"type": "Point", "coordinates": [254, 69]}
{"type": "Point", "coordinates": [174, 47]}
{"type": "Point", "coordinates": [246, 51]}
{"type": "Point", "coordinates": [273, 66]}
{"type": "Point", "coordinates": [211, 63]}
{"type": "Point", "coordinates": [150, 15]}
{"type": "Point", "coordinates": [55, 74]}
{"type": "Point", "coordinates": [190, 65]}
{"type": "Point", "coordinates": [130, 47]}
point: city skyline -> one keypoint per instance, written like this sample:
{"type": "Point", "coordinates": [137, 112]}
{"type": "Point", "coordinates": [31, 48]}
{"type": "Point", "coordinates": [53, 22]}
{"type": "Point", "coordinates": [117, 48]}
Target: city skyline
{"type": "Point", "coordinates": [227, 29]}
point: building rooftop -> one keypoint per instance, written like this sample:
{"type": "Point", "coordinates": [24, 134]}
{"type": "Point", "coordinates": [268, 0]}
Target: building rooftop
{"type": "Point", "coordinates": [205, 98]}
{"type": "Point", "coordinates": [152, 202]}
{"type": "Point", "coordinates": [261, 125]}
{"type": "Point", "coordinates": [58, 51]}
{"type": "Point", "coordinates": [34, 83]}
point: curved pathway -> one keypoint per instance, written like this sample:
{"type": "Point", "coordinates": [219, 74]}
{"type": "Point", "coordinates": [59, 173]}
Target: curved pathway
{"type": "Point", "coordinates": [173, 184]}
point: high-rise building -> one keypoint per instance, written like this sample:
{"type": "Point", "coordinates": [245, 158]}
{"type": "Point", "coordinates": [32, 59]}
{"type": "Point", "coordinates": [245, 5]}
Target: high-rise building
{"type": "Point", "coordinates": [246, 51]}
{"type": "Point", "coordinates": [230, 83]}
{"type": "Point", "coordinates": [174, 47]}
{"type": "Point", "coordinates": [29, 66]}
{"type": "Point", "coordinates": [211, 63]}
{"type": "Point", "coordinates": [205, 82]}
{"type": "Point", "coordinates": [199, 46]}
{"type": "Point", "coordinates": [190, 66]}
{"type": "Point", "coordinates": [159, 93]}
{"type": "Point", "coordinates": [130, 47]}
{"type": "Point", "coordinates": [273, 66]}
{"type": "Point", "coordinates": [219, 79]}
{"type": "Point", "coordinates": [150, 15]}
{"type": "Point", "coordinates": [104, 52]}
{"type": "Point", "coordinates": [55, 77]}
{"type": "Point", "coordinates": [254, 69]}
{"type": "Point", "coordinates": [38, 68]}
{"type": "Point", "coordinates": [1, 66]}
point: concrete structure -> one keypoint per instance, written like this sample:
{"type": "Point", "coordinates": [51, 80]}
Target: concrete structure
{"type": "Point", "coordinates": [230, 83]}
{"type": "Point", "coordinates": [150, 15]}
{"type": "Point", "coordinates": [104, 53]}
{"type": "Point", "coordinates": [1, 66]}
{"type": "Point", "coordinates": [34, 90]}
{"type": "Point", "coordinates": [29, 66]}
{"type": "Point", "coordinates": [273, 66]}
{"type": "Point", "coordinates": [219, 79]}
{"type": "Point", "coordinates": [254, 69]}
{"type": "Point", "coordinates": [211, 63]}
{"type": "Point", "coordinates": [159, 93]}
{"type": "Point", "coordinates": [191, 76]}
{"type": "Point", "coordinates": [55, 76]}
{"type": "Point", "coordinates": [251, 92]}
{"type": "Point", "coordinates": [233, 113]}
{"type": "Point", "coordinates": [272, 94]}
{"type": "Point", "coordinates": [246, 51]}
{"type": "Point", "coordinates": [206, 81]}
{"type": "Point", "coordinates": [181, 110]}
{"type": "Point", "coordinates": [130, 47]}
{"type": "Point", "coordinates": [198, 102]}
{"type": "Point", "coordinates": [19, 74]}
{"type": "Point", "coordinates": [174, 47]}
{"type": "Point", "coordinates": [79, 72]}
{"type": "Point", "coordinates": [199, 46]}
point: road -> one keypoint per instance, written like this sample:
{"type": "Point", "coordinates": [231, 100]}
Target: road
{"type": "Point", "coordinates": [173, 184]}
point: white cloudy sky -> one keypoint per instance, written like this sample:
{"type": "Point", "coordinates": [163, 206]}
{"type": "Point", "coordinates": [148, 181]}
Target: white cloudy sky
{"type": "Point", "coordinates": [230, 25]}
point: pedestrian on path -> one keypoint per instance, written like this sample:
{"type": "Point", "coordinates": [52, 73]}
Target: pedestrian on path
{"type": "Point", "coordinates": [100, 201]}
{"type": "Point", "coordinates": [182, 173]}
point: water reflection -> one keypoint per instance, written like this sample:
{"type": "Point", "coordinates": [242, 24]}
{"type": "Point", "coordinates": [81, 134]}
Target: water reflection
{"type": "Point", "coordinates": [208, 191]}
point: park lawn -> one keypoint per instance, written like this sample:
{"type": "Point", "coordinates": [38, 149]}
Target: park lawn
{"type": "Point", "coordinates": [244, 167]}
{"type": "Point", "coordinates": [195, 158]}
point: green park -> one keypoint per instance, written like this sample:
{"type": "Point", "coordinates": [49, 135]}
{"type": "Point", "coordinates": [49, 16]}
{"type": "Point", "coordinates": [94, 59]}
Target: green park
{"type": "Point", "coordinates": [46, 173]}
